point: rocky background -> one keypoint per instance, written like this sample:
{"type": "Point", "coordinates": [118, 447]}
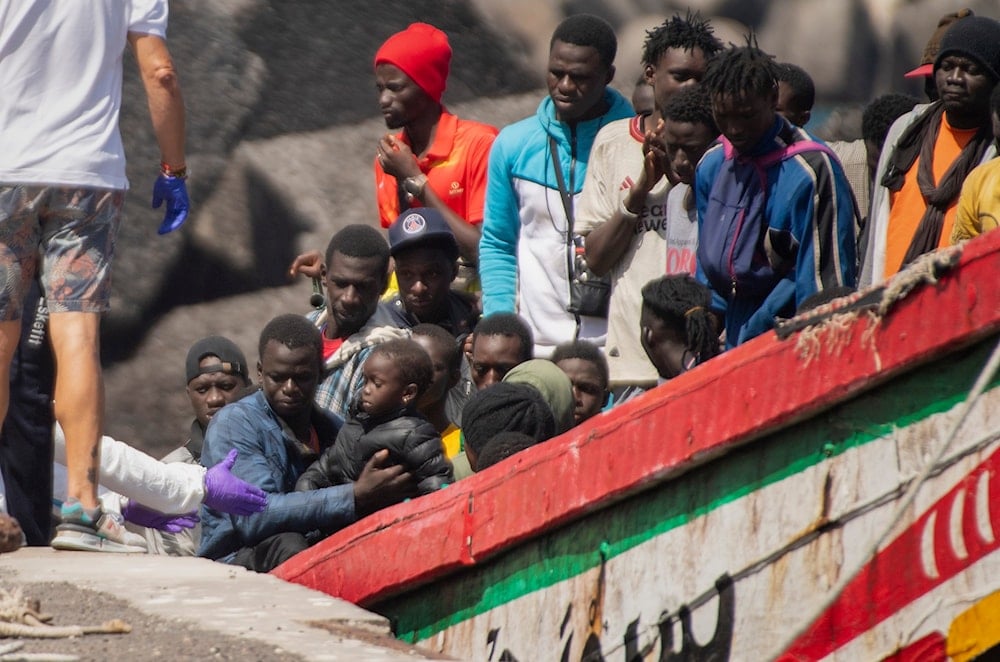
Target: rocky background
{"type": "Point", "coordinates": [282, 125]}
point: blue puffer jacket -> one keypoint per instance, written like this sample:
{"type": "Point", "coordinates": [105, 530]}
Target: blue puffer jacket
{"type": "Point", "coordinates": [268, 458]}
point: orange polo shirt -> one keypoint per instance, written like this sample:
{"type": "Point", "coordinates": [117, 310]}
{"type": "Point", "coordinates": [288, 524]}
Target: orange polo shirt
{"type": "Point", "coordinates": [907, 205]}
{"type": "Point", "coordinates": [455, 165]}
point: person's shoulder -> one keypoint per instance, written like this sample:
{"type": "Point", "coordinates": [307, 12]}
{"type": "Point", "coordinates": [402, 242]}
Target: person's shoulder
{"type": "Point", "coordinates": [519, 130]}
{"type": "Point", "coordinates": [473, 129]}
{"type": "Point", "coordinates": [389, 312]}
{"type": "Point", "coordinates": [983, 172]}
{"type": "Point", "coordinates": [315, 315]}
{"type": "Point", "coordinates": [618, 132]}
{"type": "Point", "coordinates": [251, 404]}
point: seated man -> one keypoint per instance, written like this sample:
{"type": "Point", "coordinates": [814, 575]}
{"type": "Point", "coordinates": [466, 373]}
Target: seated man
{"type": "Point", "coordinates": [503, 407]}
{"type": "Point", "coordinates": [355, 275]}
{"type": "Point", "coordinates": [279, 432]}
{"type": "Point", "coordinates": [426, 254]}
{"type": "Point", "coordinates": [501, 341]}
{"type": "Point", "coordinates": [217, 374]}
{"type": "Point", "coordinates": [678, 328]}
{"type": "Point", "coordinates": [587, 370]}
{"type": "Point", "coordinates": [446, 364]}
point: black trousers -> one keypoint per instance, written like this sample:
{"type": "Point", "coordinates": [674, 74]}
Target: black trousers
{"type": "Point", "coordinates": [271, 552]}
{"type": "Point", "coordinates": [26, 436]}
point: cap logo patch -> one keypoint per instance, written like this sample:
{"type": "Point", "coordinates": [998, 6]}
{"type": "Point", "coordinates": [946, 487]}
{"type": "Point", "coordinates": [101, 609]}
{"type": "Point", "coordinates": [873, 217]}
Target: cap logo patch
{"type": "Point", "coordinates": [414, 223]}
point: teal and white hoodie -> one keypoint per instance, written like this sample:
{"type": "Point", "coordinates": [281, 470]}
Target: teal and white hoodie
{"type": "Point", "coordinates": [523, 253]}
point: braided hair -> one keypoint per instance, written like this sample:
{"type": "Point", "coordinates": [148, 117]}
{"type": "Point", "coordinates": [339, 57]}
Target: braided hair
{"type": "Point", "coordinates": [682, 304]}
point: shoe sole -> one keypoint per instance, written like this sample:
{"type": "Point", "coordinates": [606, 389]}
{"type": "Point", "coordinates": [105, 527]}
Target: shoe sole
{"type": "Point", "coordinates": [71, 538]}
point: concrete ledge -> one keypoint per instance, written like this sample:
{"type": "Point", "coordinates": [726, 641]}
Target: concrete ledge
{"type": "Point", "coordinates": [221, 598]}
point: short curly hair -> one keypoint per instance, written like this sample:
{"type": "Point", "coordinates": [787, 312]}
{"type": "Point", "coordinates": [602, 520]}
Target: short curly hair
{"type": "Point", "coordinates": [691, 105]}
{"type": "Point", "coordinates": [686, 33]}
{"type": "Point", "coordinates": [413, 362]}
{"type": "Point", "coordinates": [801, 84]}
{"type": "Point", "coordinates": [507, 324]}
{"type": "Point", "coordinates": [588, 30]}
{"type": "Point", "coordinates": [879, 115]}
{"type": "Point", "coordinates": [585, 351]}
{"type": "Point", "coordinates": [292, 331]}
{"type": "Point", "coordinates": [359, 240]}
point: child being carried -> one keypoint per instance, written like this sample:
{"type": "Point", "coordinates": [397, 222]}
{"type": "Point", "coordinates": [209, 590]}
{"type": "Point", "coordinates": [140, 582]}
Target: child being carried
{"type": "Point", "coordinates": [384, 416]}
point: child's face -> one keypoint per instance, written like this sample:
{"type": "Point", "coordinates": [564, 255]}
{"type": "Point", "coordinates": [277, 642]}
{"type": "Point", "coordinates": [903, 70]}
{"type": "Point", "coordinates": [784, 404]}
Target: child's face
{"type": "Point", "coordinates": [384, 389]}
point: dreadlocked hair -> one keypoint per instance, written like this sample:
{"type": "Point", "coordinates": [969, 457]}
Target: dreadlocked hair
{"type": "Point", "coordinates": [741, 71]}
{"type": "Point", "coordinates": [682, 303]}
{"type": "Point", "coordinates": [685, 33]}
{"type": "Point", "coordinates": [693, 106]}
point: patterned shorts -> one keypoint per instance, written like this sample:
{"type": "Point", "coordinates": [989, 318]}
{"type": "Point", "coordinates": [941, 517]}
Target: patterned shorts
{"type": "Point", "coordinates": [72, 231]}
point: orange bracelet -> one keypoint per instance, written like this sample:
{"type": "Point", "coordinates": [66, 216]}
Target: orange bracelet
{"type": "Point", "coordinates": [168, 171]}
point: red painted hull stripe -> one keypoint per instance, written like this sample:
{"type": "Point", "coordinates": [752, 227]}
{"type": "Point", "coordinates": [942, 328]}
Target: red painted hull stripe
{"type": "Point", "coordinates": [764, 386]}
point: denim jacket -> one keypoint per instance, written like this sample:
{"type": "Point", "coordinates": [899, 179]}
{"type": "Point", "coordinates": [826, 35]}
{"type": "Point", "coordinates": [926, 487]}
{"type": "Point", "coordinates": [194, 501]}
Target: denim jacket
{"type": "Point", "coordinates": [269, 458]}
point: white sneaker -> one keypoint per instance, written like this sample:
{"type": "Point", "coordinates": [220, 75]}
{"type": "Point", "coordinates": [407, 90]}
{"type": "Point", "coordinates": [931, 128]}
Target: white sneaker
{"type": "Point", "coordinates": [79, 532]}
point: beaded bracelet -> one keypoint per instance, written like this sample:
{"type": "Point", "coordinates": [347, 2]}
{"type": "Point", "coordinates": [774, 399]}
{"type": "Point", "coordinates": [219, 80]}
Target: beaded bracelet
{"type": "Point", "coordinates": [175, 173]}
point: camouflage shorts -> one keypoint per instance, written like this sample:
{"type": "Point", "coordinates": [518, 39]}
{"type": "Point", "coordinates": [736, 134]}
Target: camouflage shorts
{"type": "Point", "coordinates": [72, 231]}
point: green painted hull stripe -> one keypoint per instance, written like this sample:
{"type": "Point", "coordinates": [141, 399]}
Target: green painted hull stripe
{"type": "Point", "coordinates": [580, 546]}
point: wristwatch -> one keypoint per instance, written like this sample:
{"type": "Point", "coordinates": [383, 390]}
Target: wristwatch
{"type": "Point", "coordinates": [414, 186]}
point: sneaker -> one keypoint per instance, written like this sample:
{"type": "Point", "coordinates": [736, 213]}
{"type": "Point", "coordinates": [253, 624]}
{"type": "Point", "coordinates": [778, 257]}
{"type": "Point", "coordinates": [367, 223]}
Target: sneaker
{"type": "Point", "coordinates": [94, 531]}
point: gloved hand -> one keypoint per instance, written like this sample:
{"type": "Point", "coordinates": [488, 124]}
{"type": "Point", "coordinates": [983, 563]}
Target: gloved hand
{"type": "Point", "coordinates": [138, 514]}
{"type": "Point", "coordinates": [174, 191]}
{"type": "Point", "coordinates": [227, 493]}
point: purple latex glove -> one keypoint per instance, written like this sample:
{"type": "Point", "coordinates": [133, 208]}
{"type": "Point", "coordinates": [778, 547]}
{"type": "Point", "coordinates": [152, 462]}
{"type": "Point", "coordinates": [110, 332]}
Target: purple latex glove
{"type": "Point", "coordinates": [227, 493]}
{"type": "Point", "coordinates": [173, 190]}
{"type": "Point", "coordinates": [143, 516]}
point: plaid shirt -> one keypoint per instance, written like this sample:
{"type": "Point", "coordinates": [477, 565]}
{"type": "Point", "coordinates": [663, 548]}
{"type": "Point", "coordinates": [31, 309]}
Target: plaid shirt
{"type": "Point", "coordinates": [342, 376]}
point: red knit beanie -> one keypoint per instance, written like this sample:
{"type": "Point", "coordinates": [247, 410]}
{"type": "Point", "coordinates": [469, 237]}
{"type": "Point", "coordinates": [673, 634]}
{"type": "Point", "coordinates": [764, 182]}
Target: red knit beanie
{"type": "Point", "coordinates": [421, 51]}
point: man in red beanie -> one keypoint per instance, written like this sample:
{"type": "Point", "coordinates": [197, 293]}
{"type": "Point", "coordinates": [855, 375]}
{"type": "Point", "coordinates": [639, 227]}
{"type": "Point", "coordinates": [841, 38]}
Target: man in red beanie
{"type": "Point", "coordinates": [437, 160]}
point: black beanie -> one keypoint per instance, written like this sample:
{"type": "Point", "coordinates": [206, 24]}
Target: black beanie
{"type": "Point", "coordinates": [233, 361]}
{"type": "Point", "coordinates": [976, 37]}
{"type": "Point", "coordinates": [506, 407]}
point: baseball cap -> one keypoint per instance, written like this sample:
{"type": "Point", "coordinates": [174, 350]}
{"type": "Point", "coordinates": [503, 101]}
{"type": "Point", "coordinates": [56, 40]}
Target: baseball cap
{"type": "Point", "coordinates": [232, 358]}
{"type": "Point", "coordinates": [420, 226]}
{"type": "Point", "coordinates": [933, 46]}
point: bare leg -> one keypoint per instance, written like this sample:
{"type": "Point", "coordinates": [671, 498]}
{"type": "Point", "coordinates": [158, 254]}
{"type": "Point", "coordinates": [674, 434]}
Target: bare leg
{"type": "Point", "coordinates": [10, 335]}
{"type": "Point", "coordinates": [79, 399]}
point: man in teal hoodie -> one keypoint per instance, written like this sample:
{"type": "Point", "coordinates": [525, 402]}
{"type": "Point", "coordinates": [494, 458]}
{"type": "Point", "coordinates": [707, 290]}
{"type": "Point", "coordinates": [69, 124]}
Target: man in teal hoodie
{"type": "Point", "coordinates": [527, 251]}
